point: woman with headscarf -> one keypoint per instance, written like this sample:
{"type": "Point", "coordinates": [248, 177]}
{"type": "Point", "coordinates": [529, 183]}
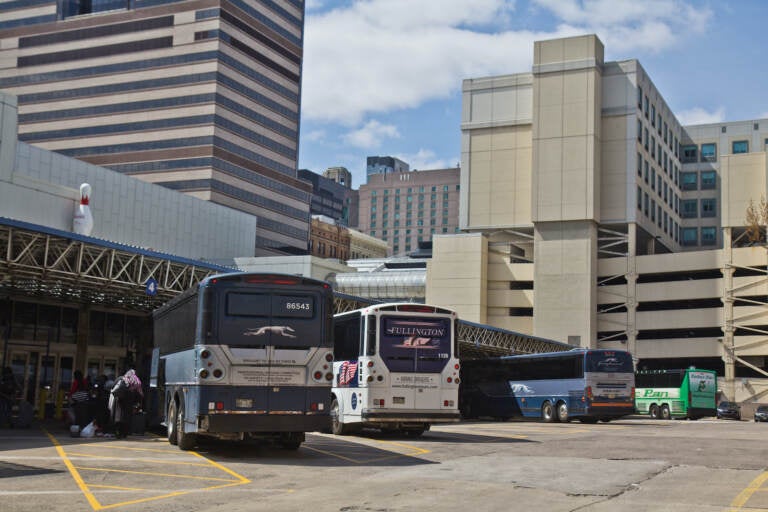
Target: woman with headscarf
{"type": "Point", "coordinates": [126, 393]}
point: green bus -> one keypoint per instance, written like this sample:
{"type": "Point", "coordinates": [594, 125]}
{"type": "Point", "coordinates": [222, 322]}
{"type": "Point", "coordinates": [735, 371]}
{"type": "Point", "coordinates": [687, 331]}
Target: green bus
{"type": "Point", "coordinates": [665, 394]}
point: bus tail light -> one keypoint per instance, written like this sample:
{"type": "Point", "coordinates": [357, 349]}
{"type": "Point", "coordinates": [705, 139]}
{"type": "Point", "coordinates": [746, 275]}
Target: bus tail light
{"type": "Point", "coordinates": [203, 373]}
{"type": "Point", "coordinates": [316, 406]}
{"type": "Point", "coordinates": [632, 394]}
{"type": "Point", "coordinates": [217, 373]}
{"type": "Point", "coordinates": [317, 375]}
{"type": "Point", "coordinates": [456, 366]}
{"type": "Point", "coordinates": [457, 380]}
{"type": "Point", "coordinates": [219, 406]}
{"type": "Point", "coordinates": [329, 376]}
{"type": "Point", "coordinates": [450, 379]}
{"type": "Point", "coordinates": [589, 394]}
{"type": "Point", "coordinates": [370, 364]}
{"type": "Point", "coordinates": [378, 402]}
{"type": "Point", "coordinates": [447, 403]}
{"type": "Point", "coordinates": [329, 357]}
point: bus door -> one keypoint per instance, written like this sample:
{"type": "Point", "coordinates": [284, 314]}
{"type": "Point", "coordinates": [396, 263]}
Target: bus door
{"type": "Point", "coordinates": [415, 350]}
{"type": "Point", "coordinates": [271, 339]}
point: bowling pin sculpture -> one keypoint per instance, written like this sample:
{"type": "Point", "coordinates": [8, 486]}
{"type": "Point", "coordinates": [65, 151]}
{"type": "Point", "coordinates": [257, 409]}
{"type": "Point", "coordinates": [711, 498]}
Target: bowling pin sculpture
{"type": "Point", "coordinates": [83, 220]}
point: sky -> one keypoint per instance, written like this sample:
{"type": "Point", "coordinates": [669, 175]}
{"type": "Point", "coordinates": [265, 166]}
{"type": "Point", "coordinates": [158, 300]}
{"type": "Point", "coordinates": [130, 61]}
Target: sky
{"type": "Point", "coordinates": [383, 77]}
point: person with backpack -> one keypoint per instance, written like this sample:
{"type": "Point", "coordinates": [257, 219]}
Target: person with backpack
{"type": "Point", "coordinates": [125, 395]}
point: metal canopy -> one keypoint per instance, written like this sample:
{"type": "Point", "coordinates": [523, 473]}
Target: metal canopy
{"type": "Point", "coordinates": [47, 263]}
{"type": "Point", "coordinates": [42, 262]}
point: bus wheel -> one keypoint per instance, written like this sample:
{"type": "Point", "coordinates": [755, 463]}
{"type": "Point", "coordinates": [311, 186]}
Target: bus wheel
{"type": "Point", "coordinates": [547, 412]}
{"type": "Point", "coordinates": [291, 440]}
{"type": "Point", "coordinates": [562, 412]}
{"type": "Point", "coordinates": [170, 421]}
{"type": "Point", "coordinates": [186, 441]}
{"type": "Point", "coordinates": [337, 427]}
{"type": "Point", "coordinates": [665, 414]}
{"type": "Point", "coordinates": [654, 411]}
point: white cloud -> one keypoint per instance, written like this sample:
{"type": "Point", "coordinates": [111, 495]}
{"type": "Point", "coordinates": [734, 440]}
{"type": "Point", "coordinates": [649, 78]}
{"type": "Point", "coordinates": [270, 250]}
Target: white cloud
{"type": "Point", "coordinates": [377, 56]}
{"type": "Point", "coordinates": [700, 116]}
{"type": "Point", "coordinates": [314, 136]}
{"type": "Point", "coordinates": [371, 135]}
{"type": "Point", "coordinates": [425, 160]}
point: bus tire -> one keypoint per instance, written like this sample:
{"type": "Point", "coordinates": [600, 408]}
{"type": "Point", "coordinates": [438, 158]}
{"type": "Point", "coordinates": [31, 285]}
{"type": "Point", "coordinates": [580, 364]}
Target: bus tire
{"type": "Point", "coordinates": [170, 421]}
{"type": "Point", "coordinates": [665, 414]}
{"type": "Point", "coordinates": [337, 427]}
{"type": "Point", "coordinates": [653, 411]}
{"type": "Point", "coordinates": [185, 440]}
{"type": "Point", "coordinates": [548, 412]}
{"type": "Point", "coordinates": [291, 440]}
{"type": "Point", "coordinates": [562, 412]}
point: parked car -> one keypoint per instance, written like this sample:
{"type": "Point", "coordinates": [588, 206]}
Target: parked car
{"type": "Point", "coordinates": [761, 413]}
{"type": "Point", "coordinates": [730, 410]}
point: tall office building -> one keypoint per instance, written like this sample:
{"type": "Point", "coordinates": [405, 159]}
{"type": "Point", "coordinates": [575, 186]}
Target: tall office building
{"type": "Point", "coordinates": [592, 216]}
{"type": "Point", "coordinates": [405, 208]}
{"type": "Point", "coordinates": [384, 165]}
{"type": "Point", "coordinates": [200, 96]}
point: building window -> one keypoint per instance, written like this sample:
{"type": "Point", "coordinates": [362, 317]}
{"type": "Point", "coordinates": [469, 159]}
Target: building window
{"type": "Point", "coordinates": [689, 153]}
{"type": "Point", "coordinates": [690, 236]}
{"type": "Point", "coordinates": [709, 152]}
{"type": "Point", "coordinates": [708, 207]}
{"type": "Point", "coordinates": [645, 204]}
{"type": "Point", "coordinates": [646, 171]}
{"type": "Point", "coordinates": [653, 210]}
{"type": "Point", "coordinates": [640, 131]}
{"type": "Point", "coordinates": [690, 180]}
{"type": "Point", "coordinates": [709, 235]}
{"type": "Point", "coordinates": [653, 115]}
{"type": "Point", "coordinates": [645, 110]}
{"type": "Point", "coordinates": [689, 208]}
{"type": "Point", "coordinates": [708, 180]}
{"type": "Point", "coordinates": [640, 97]}
{"type": "Point", "coordinates": [639, 198]}
{"type": "Point", "coordinates": [740, 146]}
{"type": "Point", "coordinates": [77, 7]}
{"type": "Point", "coordinates": [639, 165]}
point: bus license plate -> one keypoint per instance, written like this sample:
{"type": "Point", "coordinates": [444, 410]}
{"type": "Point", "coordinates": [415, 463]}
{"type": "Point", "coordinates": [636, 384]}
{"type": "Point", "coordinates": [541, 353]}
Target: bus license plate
{"type": "Point", "coordinates": [611, 395]}
{"type": "Point", "coordinates": [244, 403]}
{"type": "Point", "coordinates": [398, 399]}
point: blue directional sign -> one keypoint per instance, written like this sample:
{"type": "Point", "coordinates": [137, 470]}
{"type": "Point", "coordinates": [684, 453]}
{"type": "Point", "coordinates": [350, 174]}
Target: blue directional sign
{"type": "Point", "coordinates": [151, 286]}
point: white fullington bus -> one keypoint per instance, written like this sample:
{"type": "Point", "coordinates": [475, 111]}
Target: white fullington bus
{"type": "Point", "coordinates": [396, 368]}
{"type": "Point", "coordinates": [245, 355]}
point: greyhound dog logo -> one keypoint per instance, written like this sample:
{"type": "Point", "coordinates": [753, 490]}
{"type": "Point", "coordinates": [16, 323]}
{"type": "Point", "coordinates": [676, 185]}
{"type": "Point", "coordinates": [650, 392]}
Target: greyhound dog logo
{"type": "Point", "coordinates": [280, 330]}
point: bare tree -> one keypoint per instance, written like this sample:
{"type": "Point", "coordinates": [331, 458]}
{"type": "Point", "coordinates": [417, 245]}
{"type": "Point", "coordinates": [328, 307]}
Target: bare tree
{"type": "Point", "coordinates": [757, 217]}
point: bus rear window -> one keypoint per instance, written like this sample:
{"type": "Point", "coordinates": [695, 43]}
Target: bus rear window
{"type": "Point", "coordinates": [267, 305]}
{"type": "Point", "coordinates": [609, 361]}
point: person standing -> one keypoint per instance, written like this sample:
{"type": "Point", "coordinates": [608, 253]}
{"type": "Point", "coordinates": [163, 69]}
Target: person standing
{"type": "Point", "coordinates": [126, 393]}
{"type": "Point", "coordinates": [8, 389]}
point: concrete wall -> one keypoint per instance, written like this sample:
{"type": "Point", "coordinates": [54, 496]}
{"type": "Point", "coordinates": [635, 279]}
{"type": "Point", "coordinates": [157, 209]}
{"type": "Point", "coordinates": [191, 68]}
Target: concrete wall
{"type": "Point", "coordinates": [42, 187]}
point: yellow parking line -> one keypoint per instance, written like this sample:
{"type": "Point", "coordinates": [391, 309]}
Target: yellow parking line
{"type": "Point", "coordinates": [739, 501]}
{"type": "Point", "coordinates": [154, 461]}
{"type": "Point", "coordinates": [96, 505]}
{"type": "Point", "coordinates": [171, 475]}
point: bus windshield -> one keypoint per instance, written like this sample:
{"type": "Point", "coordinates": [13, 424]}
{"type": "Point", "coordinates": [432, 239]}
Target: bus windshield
{"type": "Point", "coordinates": [608, 361]}
{"type": "Point", "coordinates": [415, 344]}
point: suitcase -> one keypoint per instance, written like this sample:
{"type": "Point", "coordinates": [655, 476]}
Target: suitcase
{"type": "Point", "coordinates": [24, 416]}
{"type": "Point", "coordinates": [139, 423]}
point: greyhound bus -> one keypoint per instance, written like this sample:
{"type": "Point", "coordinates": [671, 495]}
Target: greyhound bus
{"type": "Point", "coordinates": [584, 384]}
{"type": "Point", "coordinates": [396, 368]}
{"type": "Point", "coordinates": [245, 355]}
{"type": "Point", "coordinates": [679, 393]}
